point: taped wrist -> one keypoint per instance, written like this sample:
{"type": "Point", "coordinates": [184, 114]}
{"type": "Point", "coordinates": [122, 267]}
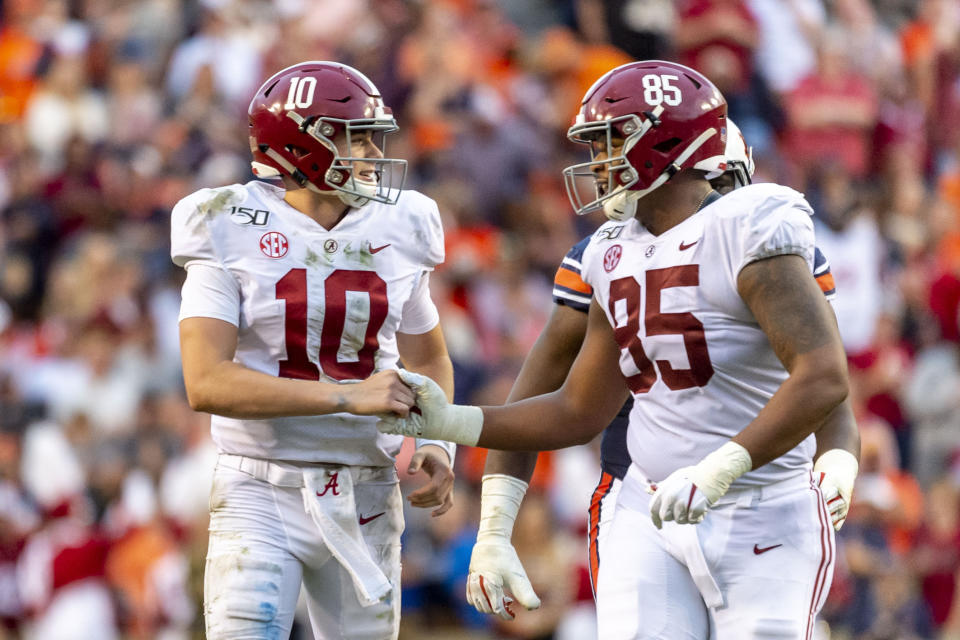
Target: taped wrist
{"type": "Point", "coordinates": [462, 424]}
{"type": "Point", "coordinates": [500, 499]}
{"type": "Point", "coordinates": [717, 471]}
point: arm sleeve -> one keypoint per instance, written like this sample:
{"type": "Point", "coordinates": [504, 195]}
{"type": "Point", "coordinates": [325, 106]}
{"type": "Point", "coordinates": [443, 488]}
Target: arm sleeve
{"type": "Point", "coordinates": [419, 314]}
{"type": "Point", "coordinates": [210, 292]}
{"type": "Point", "coordinates": [777, 225]}
{"type": "Point", "coordinates": [449, 447]}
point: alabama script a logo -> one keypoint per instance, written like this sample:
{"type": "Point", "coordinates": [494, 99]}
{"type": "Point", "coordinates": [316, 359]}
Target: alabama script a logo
{"type": "Point", "coordinates": [332, 485]}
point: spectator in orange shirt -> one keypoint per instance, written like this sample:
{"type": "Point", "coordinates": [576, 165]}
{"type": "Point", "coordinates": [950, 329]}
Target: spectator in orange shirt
{"type": "Point", "coordinates": [20, 58]}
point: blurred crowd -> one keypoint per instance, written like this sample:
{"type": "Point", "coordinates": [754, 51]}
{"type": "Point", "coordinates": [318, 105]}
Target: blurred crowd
{"type": "Point", "coordinates": [112, 110]}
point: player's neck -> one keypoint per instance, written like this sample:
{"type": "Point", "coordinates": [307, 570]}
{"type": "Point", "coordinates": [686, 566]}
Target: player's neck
{"type": "Point", "coordinates": [673, 203]}
{"type": "Point", "coordinates": [324, 209]}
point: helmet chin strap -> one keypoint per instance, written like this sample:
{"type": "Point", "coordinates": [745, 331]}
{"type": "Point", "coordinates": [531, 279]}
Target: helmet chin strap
{"type": "Point", "coordinates": [364, 191]}
{"type": "Point", "coordinates": [623, 205]}
{"type": "Point", "coordinates": [355, 200]}
{"type": "Point", "coordinates": [352, 200]}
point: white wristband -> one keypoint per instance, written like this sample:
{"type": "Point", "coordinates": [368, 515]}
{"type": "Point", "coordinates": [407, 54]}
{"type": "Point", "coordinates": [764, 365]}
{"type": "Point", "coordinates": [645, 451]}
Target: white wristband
{"type": "Point", "coordinates": [717, 471]}
{"type": "Point", "coordinates": [500, 499]}
{"type": "Point", "coordinates": [449, 447]}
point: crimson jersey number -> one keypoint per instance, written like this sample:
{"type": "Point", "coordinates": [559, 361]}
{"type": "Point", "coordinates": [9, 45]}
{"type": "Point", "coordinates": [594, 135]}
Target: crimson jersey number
{"type": "Point", "coordinates": [658, 323]}
{"type": "Point", "coordinates": [292, 289]}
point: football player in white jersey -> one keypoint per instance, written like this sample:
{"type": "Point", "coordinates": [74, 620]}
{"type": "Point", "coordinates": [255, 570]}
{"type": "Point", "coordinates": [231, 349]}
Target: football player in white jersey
{"type": "Point", "coordinates": [298, 304]}
{"type": "Point", "coordinates": [494, 563]}
{"type": "Point", "coordinates": [706, 311]}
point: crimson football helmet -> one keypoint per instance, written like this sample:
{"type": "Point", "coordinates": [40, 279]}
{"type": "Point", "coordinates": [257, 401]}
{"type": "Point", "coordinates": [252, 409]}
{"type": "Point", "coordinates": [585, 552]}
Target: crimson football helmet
{"type": "Point", "coordinates": [302, 122]}
{"type": "Point", "coordinates": [644, 122]}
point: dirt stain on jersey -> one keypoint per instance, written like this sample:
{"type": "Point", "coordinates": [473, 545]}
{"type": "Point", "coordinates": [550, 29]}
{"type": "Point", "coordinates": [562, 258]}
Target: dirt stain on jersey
{"type": "Point", "coordinates": [219, 202]}
{"type": "Point", "coordinates": [357, 317]}
{"type": "Point", "coordinates": [420, 239]}
{"type": "Point", "coordinates": [211, 207]}
{"type": "Point", "coordinates": [363, 257]}
{"type": "Point", "coordinates": [314, 259]}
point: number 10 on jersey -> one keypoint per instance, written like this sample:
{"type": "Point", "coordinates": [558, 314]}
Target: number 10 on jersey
{"type": "Point", "coordinates": [292, 289]}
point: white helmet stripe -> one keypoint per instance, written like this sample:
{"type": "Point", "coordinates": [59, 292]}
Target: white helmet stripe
{"type": "Point", "coordinates": [696, 144]}
{"type": "Point", "coordinates": [280, 160]}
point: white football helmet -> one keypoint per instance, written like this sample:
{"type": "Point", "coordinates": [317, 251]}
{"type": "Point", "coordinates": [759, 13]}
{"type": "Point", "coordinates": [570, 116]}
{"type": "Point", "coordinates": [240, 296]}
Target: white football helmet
{"type": "Point", "coordinates": [739, 156]}
{"type": "Point", "coordinates": [735, 168]}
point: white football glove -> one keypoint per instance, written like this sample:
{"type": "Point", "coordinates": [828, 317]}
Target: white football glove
{"type": "Point", "coordinates": [688, 492]}
{"type": "Point", "coordinates": [836, 472]}
{"type": "Point", "coordinates": [494, 562]}
{"type": "Point", "coordinates": [433, 417]}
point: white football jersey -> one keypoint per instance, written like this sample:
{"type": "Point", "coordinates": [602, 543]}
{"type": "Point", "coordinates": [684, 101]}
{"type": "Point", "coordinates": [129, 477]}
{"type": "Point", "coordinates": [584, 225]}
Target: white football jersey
{"type": "Point", "coordinates": [696, 361]}
{"type": "Point", "coordinates": [313, 304]}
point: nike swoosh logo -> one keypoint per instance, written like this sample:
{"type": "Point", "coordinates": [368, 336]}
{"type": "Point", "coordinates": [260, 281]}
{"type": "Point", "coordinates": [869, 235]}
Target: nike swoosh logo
{"type": "Point", "coordinates": [758, 550]}
{"type": "Point", "coordinates": [373, 517]}
{"type": "Point", "coordinates": [684, 247]}
{"type": "Point", "coordinates": [373, 251]}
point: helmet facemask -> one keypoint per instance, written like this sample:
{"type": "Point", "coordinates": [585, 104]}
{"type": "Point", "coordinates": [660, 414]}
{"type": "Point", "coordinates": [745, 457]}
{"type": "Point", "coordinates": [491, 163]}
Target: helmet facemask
{"type": "Point", "coordinates": [612, 191]}
{"type": "Point", "coordinates": [739, 158]}
{"type": "Point", "coordinates": [741, 175]}
{"type": "Point", "coordinates": [385, 176]}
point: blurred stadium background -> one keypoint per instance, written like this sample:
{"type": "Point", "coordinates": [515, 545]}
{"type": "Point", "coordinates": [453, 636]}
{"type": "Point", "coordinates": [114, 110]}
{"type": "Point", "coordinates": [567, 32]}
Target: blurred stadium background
{"type": "Point", "coordinates": [111, 110]}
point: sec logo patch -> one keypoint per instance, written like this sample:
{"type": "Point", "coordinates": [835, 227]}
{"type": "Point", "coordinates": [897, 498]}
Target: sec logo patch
{"type": "Point", "coordinates": [274, 244]}
{"type": "Point", "coordinates": [612, 258]}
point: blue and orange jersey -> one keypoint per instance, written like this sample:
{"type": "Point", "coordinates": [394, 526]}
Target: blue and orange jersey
{"type": "Point", "coordinates": [570, 290]}
{"type": "Point", "coordinates": [821, 271]}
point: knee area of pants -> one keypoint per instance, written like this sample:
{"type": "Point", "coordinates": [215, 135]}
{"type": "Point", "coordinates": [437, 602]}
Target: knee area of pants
{"type": "Point", "coordinates": [243, 598]}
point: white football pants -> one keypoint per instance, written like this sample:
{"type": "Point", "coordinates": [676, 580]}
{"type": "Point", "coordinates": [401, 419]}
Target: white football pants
{"type": "Point", "coordinates": [758, 567]}
{"type": "Point", "coordinates": [267, 535]}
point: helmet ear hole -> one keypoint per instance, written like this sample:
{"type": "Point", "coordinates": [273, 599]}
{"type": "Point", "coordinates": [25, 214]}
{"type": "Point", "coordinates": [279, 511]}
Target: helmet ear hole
{"type": "Point", "coordinates": [667, 145]}
{"type": "Point", "coordinates": [299, 152]}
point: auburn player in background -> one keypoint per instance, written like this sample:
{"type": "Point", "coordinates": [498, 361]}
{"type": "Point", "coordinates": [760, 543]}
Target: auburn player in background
{"type": "Point", "coordinates": [706, 311]}
{"type": "Point", "coordinates": [494, 563]}
{"type": "Point", "coordinates": [299, 300]}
